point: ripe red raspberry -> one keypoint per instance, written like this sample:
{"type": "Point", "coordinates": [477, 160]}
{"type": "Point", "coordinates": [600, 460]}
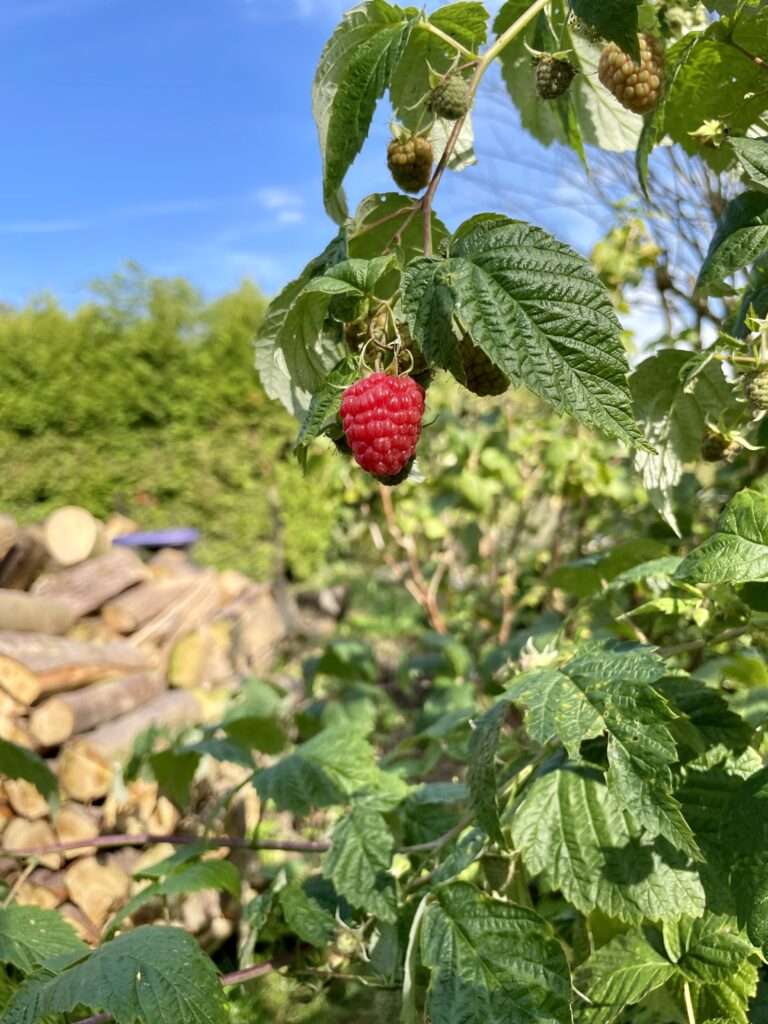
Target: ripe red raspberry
{"type": "Point", "coordinates": [381, 415]}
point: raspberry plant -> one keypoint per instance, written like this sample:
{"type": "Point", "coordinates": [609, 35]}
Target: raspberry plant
{"type": "Point", "coordinates": [556, 809]}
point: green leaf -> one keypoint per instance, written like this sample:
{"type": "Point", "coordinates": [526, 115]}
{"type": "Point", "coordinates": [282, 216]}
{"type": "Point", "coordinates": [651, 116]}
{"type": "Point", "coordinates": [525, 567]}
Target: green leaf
{"type": "Point", "coordinates": [576, 835]}
{"type": "Point", "coordinates": [156, 974]}
{"type": "Point", "coordinates": [700, 58]}
{"type": "Point", "coordinates": [359, 859]}
{"type": "Point", "coordinates": [305, 916]}
{"type": "Point", "coordinates": [646, 142]}
{"type": "Point", "coordinates": [535, 308]}
{"type": "Point", "coordinates": [745, 830]}
{"type": "Point", "coordinates": [740, 239]}
{"type": "Point", "coordinates": [614, 19]}
{"type": "Point", "coordinates": [706, 712]}
{"type": "Point", "coordinates": [589, 575]}
{"type": "Point", "coordinates": [737, 551]}
{"type": "Point", "coordinates": [711, 948]}
{"type": "Point", "coordinates": [29, 936]}
{"type": "Point", "coordinates": [610, 690]}
{"type": "Point", "coordinates": [18, 763]}
{"type": "Point", "coordinates": [481, 775]}
{"type": "Point", "coordinates": [327, 770]}
{"type": "Point", "coordinates": [174, 771]}
{"type": "Point", "coordinates": [753, 157]}
{"type": "Point", "coordinates": [490, 960]}
{"type": "Point", "coordinates": [673, 412]}
{"type": "Point", "coordinates": [325, 404]}
{"type": "Point", "coordinates": [355, 69]}
{"type": "Point", "coordinates": [270, 360]}
{"type": "Point", "coordinates": [619, 974]}
{"type": "Point", "coordinates": [185, 878]}
{"type": "Point", "coordinates": [385, 222]}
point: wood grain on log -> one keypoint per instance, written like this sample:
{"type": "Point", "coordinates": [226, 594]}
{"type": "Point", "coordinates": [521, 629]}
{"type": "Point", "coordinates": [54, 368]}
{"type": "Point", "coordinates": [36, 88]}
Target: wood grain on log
{"type": "Point", "coordinates": [21, 834]}
{"type": "Point", "coordinates": [87, 586]}
{"type": "Point", "coordinates": [115, 739]}
{"type": "Point", "coordinates": [129, 611]}
{"type": "Point", "coordinates": [43, 888]}
{"type": "Point", "coordinates": [58, 718]}
{"type": "Point", "coordinates": [34, 664]}
{"type": "Point", "coordinates": [74, 822]}
{"type": "Point", "coordinates": [26, 800]}
{"type": "Point", "coordinates": [97, 889]}
{"type": "Point", "coordinates": [71, 534]}
{"type": "Point", "coordinates": [34, 614]}
{"type": "Point", "coordinates": [24, 561]}
{"type": "Point", "coordinates": [84, 773]}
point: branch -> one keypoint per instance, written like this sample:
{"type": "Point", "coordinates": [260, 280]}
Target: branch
{"type": "Point", "coordinates": [150, 838]}
{"type": "Point", "coordinates": [697, 645]}
{"type": "Point", "coordinates": [227, 980]}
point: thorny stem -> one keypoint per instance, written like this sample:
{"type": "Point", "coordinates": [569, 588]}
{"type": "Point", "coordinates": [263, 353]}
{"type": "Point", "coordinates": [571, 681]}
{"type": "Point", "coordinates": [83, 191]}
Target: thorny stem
{"type": "Point", "coordinates": [227, 981]}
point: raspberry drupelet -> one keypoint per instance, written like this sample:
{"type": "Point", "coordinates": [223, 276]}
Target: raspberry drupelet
{"type": "Point", "coordinates": [381, 416]}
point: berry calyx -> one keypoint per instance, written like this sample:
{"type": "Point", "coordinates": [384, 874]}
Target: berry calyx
{"type": "Point", "coordinates": [381, 416]}
{"type": "Point", "coordinates": [553, 76]}
{"type": "Point", "coordinates": [636, 86]}
{"type": "Point", "coordinates": [482, 377]}
{"type": "Point", "coordinates": [450, 98]}
{"type": "Point", "coordinates": [410, 162]}
{"type": "Point", "coordinates": [756, 390]}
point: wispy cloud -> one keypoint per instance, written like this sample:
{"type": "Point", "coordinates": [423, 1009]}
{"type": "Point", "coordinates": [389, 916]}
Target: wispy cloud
{"type": "Point", "coordinates": [285, 204]}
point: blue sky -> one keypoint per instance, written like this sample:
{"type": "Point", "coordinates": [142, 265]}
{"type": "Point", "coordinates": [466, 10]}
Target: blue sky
{"type": "Point", "coordinates": [178, 133]}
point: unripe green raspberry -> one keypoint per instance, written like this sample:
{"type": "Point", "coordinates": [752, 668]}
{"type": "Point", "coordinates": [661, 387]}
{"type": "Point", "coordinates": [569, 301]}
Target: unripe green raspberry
{"type": "Point", "coordinates": [410, 162]}
{"type": "Point", "coordinates": [450, 98]}
{"type": "Point", "coordinates": [482, 376]}
{"type": "Point", "coordinates": [637, 87]}
{"type": "Point", "coordinates": [756, 390]}
{"type": "Point", "coordinates": [553, 76]}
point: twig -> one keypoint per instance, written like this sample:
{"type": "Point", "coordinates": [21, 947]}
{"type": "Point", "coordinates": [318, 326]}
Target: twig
{"type": "Point", "coordinates": [149, 838]}
{"type": "Point", "coordinates": [23, 876]}
{"type": "Point", "coordinates": [227, 981]}
{"type": "Point", "coordinates": [758, 61]}
{"type": "Point", "coordinates": [697, 645]}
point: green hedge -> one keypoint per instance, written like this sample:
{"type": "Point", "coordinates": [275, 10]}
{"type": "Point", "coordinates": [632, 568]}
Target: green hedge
{"type": "Point", "coordinates": [145, 401]}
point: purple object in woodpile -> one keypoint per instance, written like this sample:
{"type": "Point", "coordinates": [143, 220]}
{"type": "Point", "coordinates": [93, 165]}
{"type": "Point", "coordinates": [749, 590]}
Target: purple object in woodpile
{"type": "Point", "coordinates": [177, 537]}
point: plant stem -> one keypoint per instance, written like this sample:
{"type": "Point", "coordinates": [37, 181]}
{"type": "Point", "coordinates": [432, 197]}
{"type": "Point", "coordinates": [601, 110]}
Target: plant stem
{"type": "Point", "coordinates": [226, 980]}
{"type": "Point", "coordinates": [449, 39]}
{"type": "Point", "coordinates": [690, 1013]}
{"type": "Point", "coordinates": [484, 63]}
{"type": "Point", "coordinates": [697, 645]}
{"type": "Point", "coordinates": [213, 842]}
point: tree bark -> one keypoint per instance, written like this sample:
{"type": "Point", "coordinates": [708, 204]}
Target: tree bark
{"type": "Point", "coordinates": [86, 587]}
{"type": "Point", "coordinates": [30, 613]}
{"type": "Point", "coordinates": [60, 717]}
{"type": "Point", "coordinates": [129, 611]}
{"type": "Point", "coordinates": [24, 561]}
{"type": "Point", "coordinates": [33, 664]}
{"type": "Point", "coordinates": [115, 739]}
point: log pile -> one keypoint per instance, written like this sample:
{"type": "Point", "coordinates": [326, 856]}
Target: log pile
{"type": "Point", "coordinates": [97, 644]}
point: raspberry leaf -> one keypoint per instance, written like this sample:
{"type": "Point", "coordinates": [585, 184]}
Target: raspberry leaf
{"type": "Point", "coordinates": [30, 936]}
{"type": "Point", "coordinates": [737, 552]}
{"type": "Point", "coordinates": [305, 916]}
{"type": "Point", "coordinates": [673, 412]}
{"type": "Point", "coordinates": [152, 973]}
{"type": "Point", "coordinates": [620, 974]}
{"type": "Point", "coordinates": [577, 836]}
{"type": "Point", "coordinates": [490, 960]}
{"type": "Point", "coordinates": [740, 239]}
{"type": "Point", "coordinates": [359, 860]}
{"type": "Point", "coordinates": [271, 364]}
{"type": "Point", "coordinates": [355, 69]}
{"type": "Point", "coordinates": [753, 157]}
{"type": "Point", "coordinates": [385, 221]}
{"type": "Point", "coordinates": [18, 763]}
{"type": "Point", "coordinates": [537, 310]}
{"type": "Point", "coordinates": [616, 20]}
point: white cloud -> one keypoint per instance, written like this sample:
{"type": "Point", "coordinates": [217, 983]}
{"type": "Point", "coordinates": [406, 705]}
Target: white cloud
{"type": "Point", "coordinates": [284, 203]}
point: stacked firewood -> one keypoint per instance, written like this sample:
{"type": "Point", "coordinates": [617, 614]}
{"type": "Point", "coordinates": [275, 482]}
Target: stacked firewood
{"type": "Point", "coordinates": [97, 644]}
